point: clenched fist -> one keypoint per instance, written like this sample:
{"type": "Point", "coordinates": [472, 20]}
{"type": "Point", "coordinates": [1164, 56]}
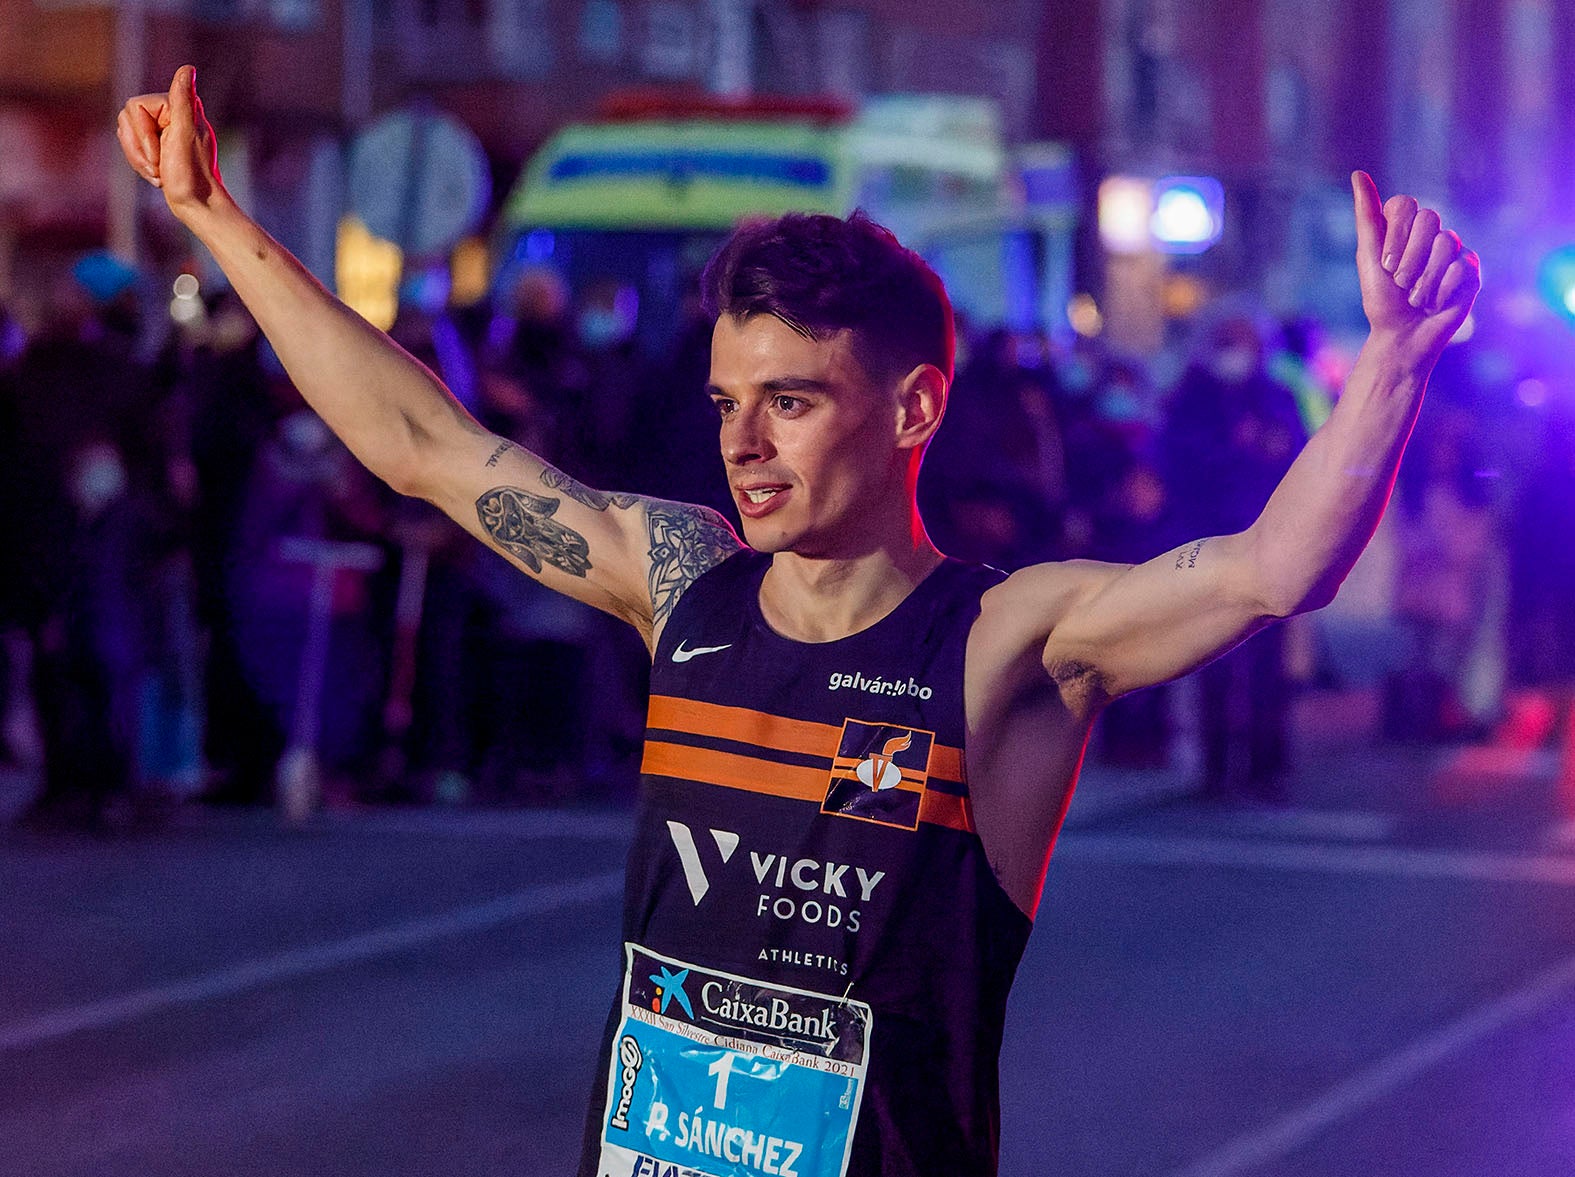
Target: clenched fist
{"type": "Point", "coordinates": [167, 140]}
{"type": "Point", "coordinates": [1418, 283]}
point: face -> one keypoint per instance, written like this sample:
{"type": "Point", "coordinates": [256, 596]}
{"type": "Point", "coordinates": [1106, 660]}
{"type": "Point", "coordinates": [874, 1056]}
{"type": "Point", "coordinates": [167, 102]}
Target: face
{"type": "Point", "coordinates": [814, 449]}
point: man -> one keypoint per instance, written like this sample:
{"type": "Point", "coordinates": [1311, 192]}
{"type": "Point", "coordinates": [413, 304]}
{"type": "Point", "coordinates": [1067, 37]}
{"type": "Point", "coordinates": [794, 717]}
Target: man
{"type": "Point", "coordinates": [858, 752]}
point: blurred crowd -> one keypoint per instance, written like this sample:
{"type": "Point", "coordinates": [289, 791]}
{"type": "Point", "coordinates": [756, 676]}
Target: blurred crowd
{"type": "Point", "coordinates": [201, 579]}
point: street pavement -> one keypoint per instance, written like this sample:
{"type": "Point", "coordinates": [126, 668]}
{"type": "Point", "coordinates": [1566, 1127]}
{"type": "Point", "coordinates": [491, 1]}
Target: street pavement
{"type": "Point", "coordinates": [1376, 979]}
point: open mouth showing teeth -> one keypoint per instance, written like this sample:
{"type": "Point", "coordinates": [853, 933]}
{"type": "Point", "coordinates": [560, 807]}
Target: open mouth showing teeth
{"type": "Point", "coordinates": [760, 496]}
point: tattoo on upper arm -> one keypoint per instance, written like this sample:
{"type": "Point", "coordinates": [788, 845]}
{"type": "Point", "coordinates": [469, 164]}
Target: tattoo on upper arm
{"type": "Point", "coordinates": [596, 500]}
{"type": "Point", "coordinates": [1188, 557]}
{"type": "Point", "coordinates": [521, 524]}
{"type": "Point", "coordinates": [685, 542]}
{"type": "Point", "coordinates": [503, 448]}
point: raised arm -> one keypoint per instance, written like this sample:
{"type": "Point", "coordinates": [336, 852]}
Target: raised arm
{"type": "Point", "coordinates": [1115, 628]}
{"type": "Point", "coordinates": [625, 554]}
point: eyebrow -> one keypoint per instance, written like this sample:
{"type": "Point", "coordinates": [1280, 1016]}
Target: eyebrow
{"type": "Point", "coordinates": [779, 384]}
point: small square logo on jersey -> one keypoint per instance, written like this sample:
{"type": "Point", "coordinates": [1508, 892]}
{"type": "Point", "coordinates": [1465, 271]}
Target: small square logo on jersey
{"type": "Point", "coordinates": [879, 773]}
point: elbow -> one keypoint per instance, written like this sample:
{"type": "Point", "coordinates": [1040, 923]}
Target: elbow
{"type": "Point", "coordinates": [1286, 586]}
{"type": "Point", "coordinates": [408, 464]}
{"type": "Point", "coordinates": [1291, 600]}
{"type": "Point", "coordinates": [406, 475]}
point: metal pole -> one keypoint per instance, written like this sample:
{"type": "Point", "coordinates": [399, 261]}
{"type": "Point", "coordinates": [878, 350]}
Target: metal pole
{"type": "Point", "coordinates": [131, 50]}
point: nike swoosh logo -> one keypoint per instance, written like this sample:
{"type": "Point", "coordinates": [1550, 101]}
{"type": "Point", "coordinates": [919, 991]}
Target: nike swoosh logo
{"type": "Point", "coordinates": [683, 655]}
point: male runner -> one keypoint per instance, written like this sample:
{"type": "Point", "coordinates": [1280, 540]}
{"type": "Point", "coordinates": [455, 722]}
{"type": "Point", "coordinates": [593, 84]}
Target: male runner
{"type": "Point", "coordinates": [858, 752]}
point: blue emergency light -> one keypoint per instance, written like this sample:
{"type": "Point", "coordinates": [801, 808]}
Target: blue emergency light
{"type": "Point", "coordinates": [1189, 214]}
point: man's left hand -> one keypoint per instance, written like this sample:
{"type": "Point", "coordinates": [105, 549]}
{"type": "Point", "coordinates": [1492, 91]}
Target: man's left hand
{"type": "Point", "coordinates": [1418, 283]}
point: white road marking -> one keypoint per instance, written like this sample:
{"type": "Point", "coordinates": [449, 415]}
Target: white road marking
{"type": "Point", "coordinates": [299, 962]}
{"type": "Point", "coordinates": [1395, 861]}
{"type": "Point", "coordinates": [1289, 1132]}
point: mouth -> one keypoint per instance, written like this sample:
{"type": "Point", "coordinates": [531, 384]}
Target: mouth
{"type": "Point", "coordinates": [755, 501]}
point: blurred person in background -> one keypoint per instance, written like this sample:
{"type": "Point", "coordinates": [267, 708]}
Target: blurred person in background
{"type": "Point", "coordinates": [831, 363]}
{"type": "Point", "coordinates": [532, 341]}
{"type": "Point", "coordinates": [232, 416]}
{"type": "Point", "coordinates": [671, 453]}
{"type": "Point", "coordinates": [1542, 577]}
{"type": "Point", "coordinates": [80, 466]}
{"type": "Point", "coordinates": [1120, 502]}
{"type": "Point", "coordinates": [101, 645]}
{"type": "Point", "coordinates": [1447, 581]}
{"type": "Point", "coordinates": [305, 486]}
{"type": "Point", "coordinates": [995, 483]}
{"type": "Point", "coordinates": [1309, 367]}
{"type": "Point", "coordinates": [1231, 433]}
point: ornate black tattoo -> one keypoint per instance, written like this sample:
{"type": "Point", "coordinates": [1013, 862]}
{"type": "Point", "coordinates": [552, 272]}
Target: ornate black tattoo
{"type": "Point", "coordinates": [521, 524]}
{"type": "Point", "coordinates": [596, 500]}
{"type": "Point", "coordinates": [685, 542]}
{"type": "Point", "coordinates": [1188, 557]}
{"type": "Point", "coordinates": [503, 448]}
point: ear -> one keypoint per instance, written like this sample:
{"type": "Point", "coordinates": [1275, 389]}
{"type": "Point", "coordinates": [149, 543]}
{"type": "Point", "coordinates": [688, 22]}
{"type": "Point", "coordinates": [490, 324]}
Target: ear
{"type": "Point", "coordinates": [921, 402]}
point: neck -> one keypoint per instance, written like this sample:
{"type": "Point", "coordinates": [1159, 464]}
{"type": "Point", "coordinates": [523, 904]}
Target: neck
{"type": "Point", "coordinates": [822, 599]}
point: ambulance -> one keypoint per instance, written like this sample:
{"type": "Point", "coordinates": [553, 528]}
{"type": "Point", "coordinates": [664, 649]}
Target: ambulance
{"type": "Point", "coordinates": [640, 195]}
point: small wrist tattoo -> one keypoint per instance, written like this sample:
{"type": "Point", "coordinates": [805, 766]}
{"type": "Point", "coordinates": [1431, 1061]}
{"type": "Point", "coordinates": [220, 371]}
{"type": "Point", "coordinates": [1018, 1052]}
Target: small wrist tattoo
{"type": "Point", "coordinates": [503, 448]}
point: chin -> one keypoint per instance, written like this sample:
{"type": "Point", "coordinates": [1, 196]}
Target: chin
{"type": "Point", "coordinates": [769, 540]}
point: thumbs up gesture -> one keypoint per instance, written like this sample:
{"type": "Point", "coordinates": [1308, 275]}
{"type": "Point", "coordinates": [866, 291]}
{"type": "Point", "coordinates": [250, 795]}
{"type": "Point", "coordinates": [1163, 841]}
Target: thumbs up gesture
{"type": "Point", "coordinates": [1418, 283]}
{"type": "Point", "coordinates": [168, 141]}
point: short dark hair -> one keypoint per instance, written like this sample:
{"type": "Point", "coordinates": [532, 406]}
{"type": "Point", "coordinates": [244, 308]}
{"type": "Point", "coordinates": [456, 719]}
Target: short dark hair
{"type": "Point", "coordinates": [822, 274]}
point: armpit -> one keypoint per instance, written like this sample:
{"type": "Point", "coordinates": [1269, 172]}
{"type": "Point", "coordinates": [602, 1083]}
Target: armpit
{"type": "Point", "coordinates": [1079, 681]}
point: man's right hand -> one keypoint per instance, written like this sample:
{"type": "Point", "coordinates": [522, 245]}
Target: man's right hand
{"type": "Point", "coordinates": [167, 141]}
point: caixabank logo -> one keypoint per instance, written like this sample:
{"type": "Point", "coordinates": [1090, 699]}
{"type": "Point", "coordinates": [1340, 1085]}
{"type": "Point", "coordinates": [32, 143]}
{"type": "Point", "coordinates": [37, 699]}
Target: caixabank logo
{"type": "Point", "coordinates": [721, 1003]}
{"type": "Point", "coordinates": [879, 773]}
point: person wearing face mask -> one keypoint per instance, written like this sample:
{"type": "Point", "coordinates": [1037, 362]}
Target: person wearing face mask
{"type": "Point", "coordinates": [98, 643]}
{"type": "Point", "coordinates": [1231, 433]}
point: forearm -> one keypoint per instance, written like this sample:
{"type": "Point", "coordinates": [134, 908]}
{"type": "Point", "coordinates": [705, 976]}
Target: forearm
{"type": "Point", "coordinates": [385, 406]}
{"type": "Point", "coordinates": [1328, 505]}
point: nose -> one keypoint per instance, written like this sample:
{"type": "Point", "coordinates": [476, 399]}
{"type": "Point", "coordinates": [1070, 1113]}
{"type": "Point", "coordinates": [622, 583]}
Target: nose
{"type": "Point", "coordinates": [746, 437]}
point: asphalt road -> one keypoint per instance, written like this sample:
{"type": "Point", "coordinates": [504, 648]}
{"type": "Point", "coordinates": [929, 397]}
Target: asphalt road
{"type": "Point", "coordinates": [1378, 980]}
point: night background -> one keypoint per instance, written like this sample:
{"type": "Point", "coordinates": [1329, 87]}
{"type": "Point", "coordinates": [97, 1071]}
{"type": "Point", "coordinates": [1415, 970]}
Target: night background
{"type": "Point", "coordinates": [313, 810]}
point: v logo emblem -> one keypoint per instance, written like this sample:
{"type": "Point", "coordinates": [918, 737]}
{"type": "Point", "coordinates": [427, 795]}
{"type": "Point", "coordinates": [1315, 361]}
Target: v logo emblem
{"type": "Point", "coordinates": [689, 855]}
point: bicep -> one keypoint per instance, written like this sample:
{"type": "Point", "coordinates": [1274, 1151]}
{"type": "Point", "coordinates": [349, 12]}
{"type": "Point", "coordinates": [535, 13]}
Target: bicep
{"type": "Point", "coordinates": [625, 554]}
{"type": "Point", "coordinates": [1133, 626]}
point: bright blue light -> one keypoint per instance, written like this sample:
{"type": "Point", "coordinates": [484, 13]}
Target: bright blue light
{"type": "Point", "coordinates": [1189, 214]}
{"type": "Point", "coordinates": [537, 246]}
{"type": "Point", "coordinates": [1556, 281]}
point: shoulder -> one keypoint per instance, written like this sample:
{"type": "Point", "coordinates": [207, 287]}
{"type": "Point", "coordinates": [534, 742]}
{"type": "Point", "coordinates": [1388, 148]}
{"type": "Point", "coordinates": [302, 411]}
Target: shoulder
{"type": "Point", "coordinates": [685, 542]}
{"type": "Point", "coordinates": [1008, 643]}
{"type": "Point", "coordinates": [1036, 597]}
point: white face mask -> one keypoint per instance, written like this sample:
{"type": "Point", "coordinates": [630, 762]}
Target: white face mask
{"type": "Point", "coordinates": [1233, 365]}
{"type": "Point", "coordinates": [100, 480]}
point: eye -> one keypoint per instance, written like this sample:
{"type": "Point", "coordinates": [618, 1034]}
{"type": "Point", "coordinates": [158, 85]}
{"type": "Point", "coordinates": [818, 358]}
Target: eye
{"type": "Point", "coordinates": [787, 404]}
{"type": "Point", "coordinates": [724, 407]}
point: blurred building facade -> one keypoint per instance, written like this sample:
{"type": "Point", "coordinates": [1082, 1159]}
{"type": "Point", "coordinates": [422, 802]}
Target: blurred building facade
{"type": "Point", "coordinates": [1463, 102]}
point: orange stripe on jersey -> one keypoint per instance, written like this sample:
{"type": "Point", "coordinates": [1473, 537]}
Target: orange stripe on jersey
{"type": "Point", "coordinates": [743, 725]}
{"type": "Point", "coordinates": [755, 774]}
{"type": "Point", "coordinates": [733, 771]}
{"type": "Point", "coordinates": [943, 809]}
{"type": "Point", "coordinates": [947, 763]}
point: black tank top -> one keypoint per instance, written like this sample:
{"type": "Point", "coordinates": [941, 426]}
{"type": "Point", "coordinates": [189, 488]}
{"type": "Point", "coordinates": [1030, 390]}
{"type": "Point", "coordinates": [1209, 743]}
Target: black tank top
{"type": "Point", "coordinates": [806, 878]}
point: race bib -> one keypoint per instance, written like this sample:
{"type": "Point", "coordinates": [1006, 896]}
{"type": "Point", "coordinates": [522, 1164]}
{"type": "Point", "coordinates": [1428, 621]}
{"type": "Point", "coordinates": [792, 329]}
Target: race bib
{"type": "Point", "coordinates": [717, 1075]}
